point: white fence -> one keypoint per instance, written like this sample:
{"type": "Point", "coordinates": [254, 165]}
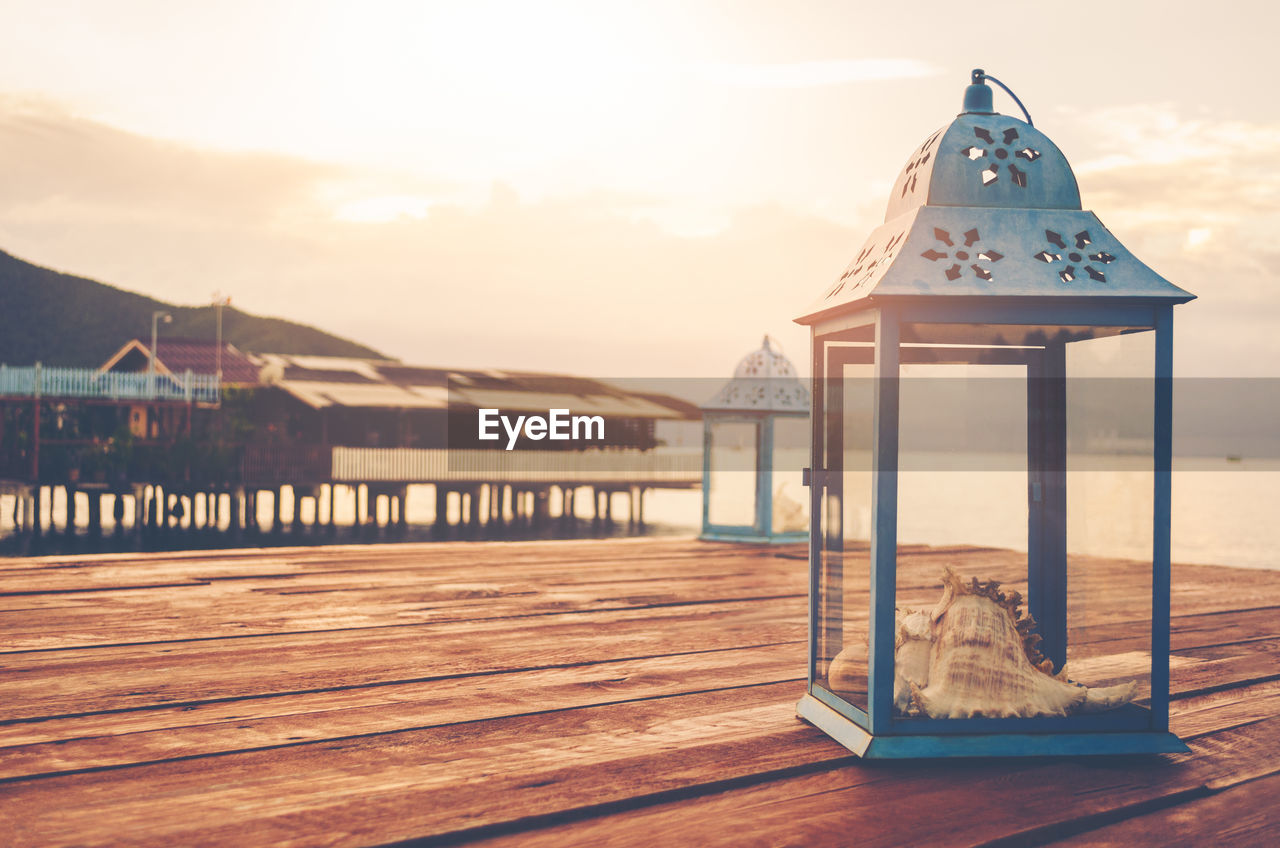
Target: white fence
{"type": "Point", "coordinates": [657, 467]}
{"type": "Point", "coordinates": [55, 382]}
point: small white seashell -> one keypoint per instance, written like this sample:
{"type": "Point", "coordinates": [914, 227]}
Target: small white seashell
{"type": "Point", "coordinates": [913, 646]}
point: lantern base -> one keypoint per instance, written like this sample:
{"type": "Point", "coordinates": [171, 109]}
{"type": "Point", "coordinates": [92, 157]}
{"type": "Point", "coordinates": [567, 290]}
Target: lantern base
{"type": "Point", "coordinates": [753, 538]}
{"type": "Point", "coordinates": [905, 747]}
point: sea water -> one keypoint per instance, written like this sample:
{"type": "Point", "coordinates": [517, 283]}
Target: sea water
{"type": "Point", "coordinates": [1224, 510]}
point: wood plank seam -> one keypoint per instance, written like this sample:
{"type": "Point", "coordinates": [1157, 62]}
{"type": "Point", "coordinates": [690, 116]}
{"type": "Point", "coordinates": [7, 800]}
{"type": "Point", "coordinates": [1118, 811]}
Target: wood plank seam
{"type": "Point", "coordinates": [1122, 814]}
{"type": "Point", "coordinates": [26, 778]}
{"type": "Point", "coordinates": [402, 625]}
{"type": "Point", "coordinates": [183, 585]}
{"type": "Point", "coordinates": [621, 805]}
{"type": "Point", "coordinates": [1043, 835]}
{"type": "Point", "coordinates": [1194, 736]}
{"type": "Point", "coordinates": [1222, 687]}
{"type": "Point", "coordinates": [399, 682]}
{"type": "Point", "coordinates": [410, 624]}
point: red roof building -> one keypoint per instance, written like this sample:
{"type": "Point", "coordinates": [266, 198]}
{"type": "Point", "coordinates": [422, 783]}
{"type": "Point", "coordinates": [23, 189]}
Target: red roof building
{"type": "Point", "coordinates": [177, 356]}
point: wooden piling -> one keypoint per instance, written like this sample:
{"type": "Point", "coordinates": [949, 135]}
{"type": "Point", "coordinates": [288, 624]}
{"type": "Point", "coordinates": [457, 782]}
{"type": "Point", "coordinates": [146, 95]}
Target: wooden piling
{"type": "Point", "coordinates": [541, 506]}
{"type": "Point", "coordinates": [277, 515]}
{"type": "Point", "coordinates": [117, 513]}
{"type": "Point", "coordinates": [69, 498]}
{"type": "Point", "coordinates": [139, 510]}
{"type": "Point", "coordinates": [37, 512]}
{"type": "Point", "coordinates": [332, 521]}
{"type": "Point", "coordinates": [94, 507]}
{"type": "Point", "coordinates": [251, 510]}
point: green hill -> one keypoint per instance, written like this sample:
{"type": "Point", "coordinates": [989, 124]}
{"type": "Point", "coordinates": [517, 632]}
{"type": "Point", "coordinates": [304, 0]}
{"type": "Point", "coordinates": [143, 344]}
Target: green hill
{"type": "Point", "coordinates": [60, 319]}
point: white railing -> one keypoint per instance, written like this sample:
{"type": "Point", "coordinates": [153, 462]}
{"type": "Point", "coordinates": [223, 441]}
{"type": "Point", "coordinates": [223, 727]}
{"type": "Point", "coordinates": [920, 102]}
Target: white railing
{"type": "Point", "coordinates": [659, 467]}
{"type": "Point", "coordinates": [54, 382]}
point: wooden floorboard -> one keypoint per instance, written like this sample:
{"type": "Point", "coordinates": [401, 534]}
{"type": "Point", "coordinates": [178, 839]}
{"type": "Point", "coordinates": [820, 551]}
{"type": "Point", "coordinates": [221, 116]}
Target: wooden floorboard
{"type": "Point", "coordinates": [1243, 815]}
{"type": "Point", "coordinates": [559, 693]}
{"type": "Point", "coordinates": [932, 803]}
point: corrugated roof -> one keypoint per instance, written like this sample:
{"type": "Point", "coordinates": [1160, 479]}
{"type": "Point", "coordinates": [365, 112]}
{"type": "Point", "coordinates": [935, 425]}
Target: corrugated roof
{"type": "Point", "coordinates": [321, 381]}
{"type": "Point", "coordinates": [318, 394]}
{"type": "Point", "coordinates": [326, 375]}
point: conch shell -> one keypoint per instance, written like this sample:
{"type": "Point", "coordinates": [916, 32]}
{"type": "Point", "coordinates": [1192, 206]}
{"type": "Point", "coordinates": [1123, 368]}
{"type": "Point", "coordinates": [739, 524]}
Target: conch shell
{"type": "Point", "coordinates": [975, 655]}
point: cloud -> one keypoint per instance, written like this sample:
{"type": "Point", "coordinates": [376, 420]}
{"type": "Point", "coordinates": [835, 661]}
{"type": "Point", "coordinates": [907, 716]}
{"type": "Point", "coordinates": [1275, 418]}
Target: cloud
{"type": "Point", "coordinates": [1198, 199]}
{"type": "Point", "coordinates": [384, 207]}
{"type": "Point", "coordinates": [814, 74]}
{"type": "Point", "coordinates": [603, 282]}
{"type": "Point", "coordinates": [1172, 176]}
{"type": "Point", "coordinates": [1148, 134]}
{"type": "Point", "coordinates": [47, 154]}
{"type": "Point", "coordinates": [594, 283]}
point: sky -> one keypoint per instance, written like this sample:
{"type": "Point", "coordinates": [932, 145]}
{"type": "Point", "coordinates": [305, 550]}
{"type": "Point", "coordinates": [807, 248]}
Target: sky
{"type": "Point", "coordinates": [613, 189]}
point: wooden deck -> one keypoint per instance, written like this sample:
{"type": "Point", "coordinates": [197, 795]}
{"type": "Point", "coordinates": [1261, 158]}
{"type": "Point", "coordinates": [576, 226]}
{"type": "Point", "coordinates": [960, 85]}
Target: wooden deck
{"type": "Point", "coordinates": [633, 692]}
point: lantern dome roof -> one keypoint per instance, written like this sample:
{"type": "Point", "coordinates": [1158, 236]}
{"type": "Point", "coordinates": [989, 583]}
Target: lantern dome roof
{"type": "Point", "coordinates": [988, 206]}
{"type": "Point", "coordinates": [764, 381]}
{"type": "Point", "coordinates": [985, 160]}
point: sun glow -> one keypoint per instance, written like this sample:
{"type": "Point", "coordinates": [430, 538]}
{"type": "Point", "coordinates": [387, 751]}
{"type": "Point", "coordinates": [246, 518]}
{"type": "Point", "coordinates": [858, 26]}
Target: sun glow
{"type": "Point", "coordinates": [1198, 237]}
{"type": "Point", "coordinates": [376, 210]}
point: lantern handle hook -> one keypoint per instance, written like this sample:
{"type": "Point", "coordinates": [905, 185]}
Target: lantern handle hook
{"type": "Point", "coordinates": [980, 76]}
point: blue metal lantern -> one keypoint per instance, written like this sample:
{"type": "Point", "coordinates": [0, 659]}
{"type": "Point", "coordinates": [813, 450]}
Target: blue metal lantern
{"type": "Point", "coordinates": [988, 274]}
{"type": "Point", "coordinates": [755, 440]}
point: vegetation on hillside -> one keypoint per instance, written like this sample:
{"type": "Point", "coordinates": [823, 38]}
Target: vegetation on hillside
{"type": "Point", "coordinates": [60, 319]}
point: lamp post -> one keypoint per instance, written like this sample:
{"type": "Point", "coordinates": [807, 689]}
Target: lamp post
{"type": "Point", "coordinates": [219, 301]}
{"type": "Point", "coordinates": [156, 316]}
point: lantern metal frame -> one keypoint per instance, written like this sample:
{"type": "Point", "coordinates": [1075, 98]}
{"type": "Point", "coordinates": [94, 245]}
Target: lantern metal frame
{"type": "Point", "coordinates": [877, 732]}
{"type": "Point", "coordinates": [763, 391]}
{"type": "Point", "coordinates": [762, 530]}
{"type": "Point", "coordinates": [956, 253]}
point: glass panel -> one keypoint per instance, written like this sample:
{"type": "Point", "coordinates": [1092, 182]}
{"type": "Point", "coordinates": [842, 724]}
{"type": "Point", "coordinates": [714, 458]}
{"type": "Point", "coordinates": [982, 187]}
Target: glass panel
{"type": "Point", "coordinates": [962, 456]}
{"type": "Point", "coordinates": [845, 577]}
{"type": "Point", "coordinates": [1110, 484]}
{"type": "Point", "coordinates": [790, 456]}
{"type": "Point", "coordinates": [731, 499]}
{"type": "Point", "coordinates": [1026, 459]}
{"type": "Point", "coordinates": [962, 508]}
